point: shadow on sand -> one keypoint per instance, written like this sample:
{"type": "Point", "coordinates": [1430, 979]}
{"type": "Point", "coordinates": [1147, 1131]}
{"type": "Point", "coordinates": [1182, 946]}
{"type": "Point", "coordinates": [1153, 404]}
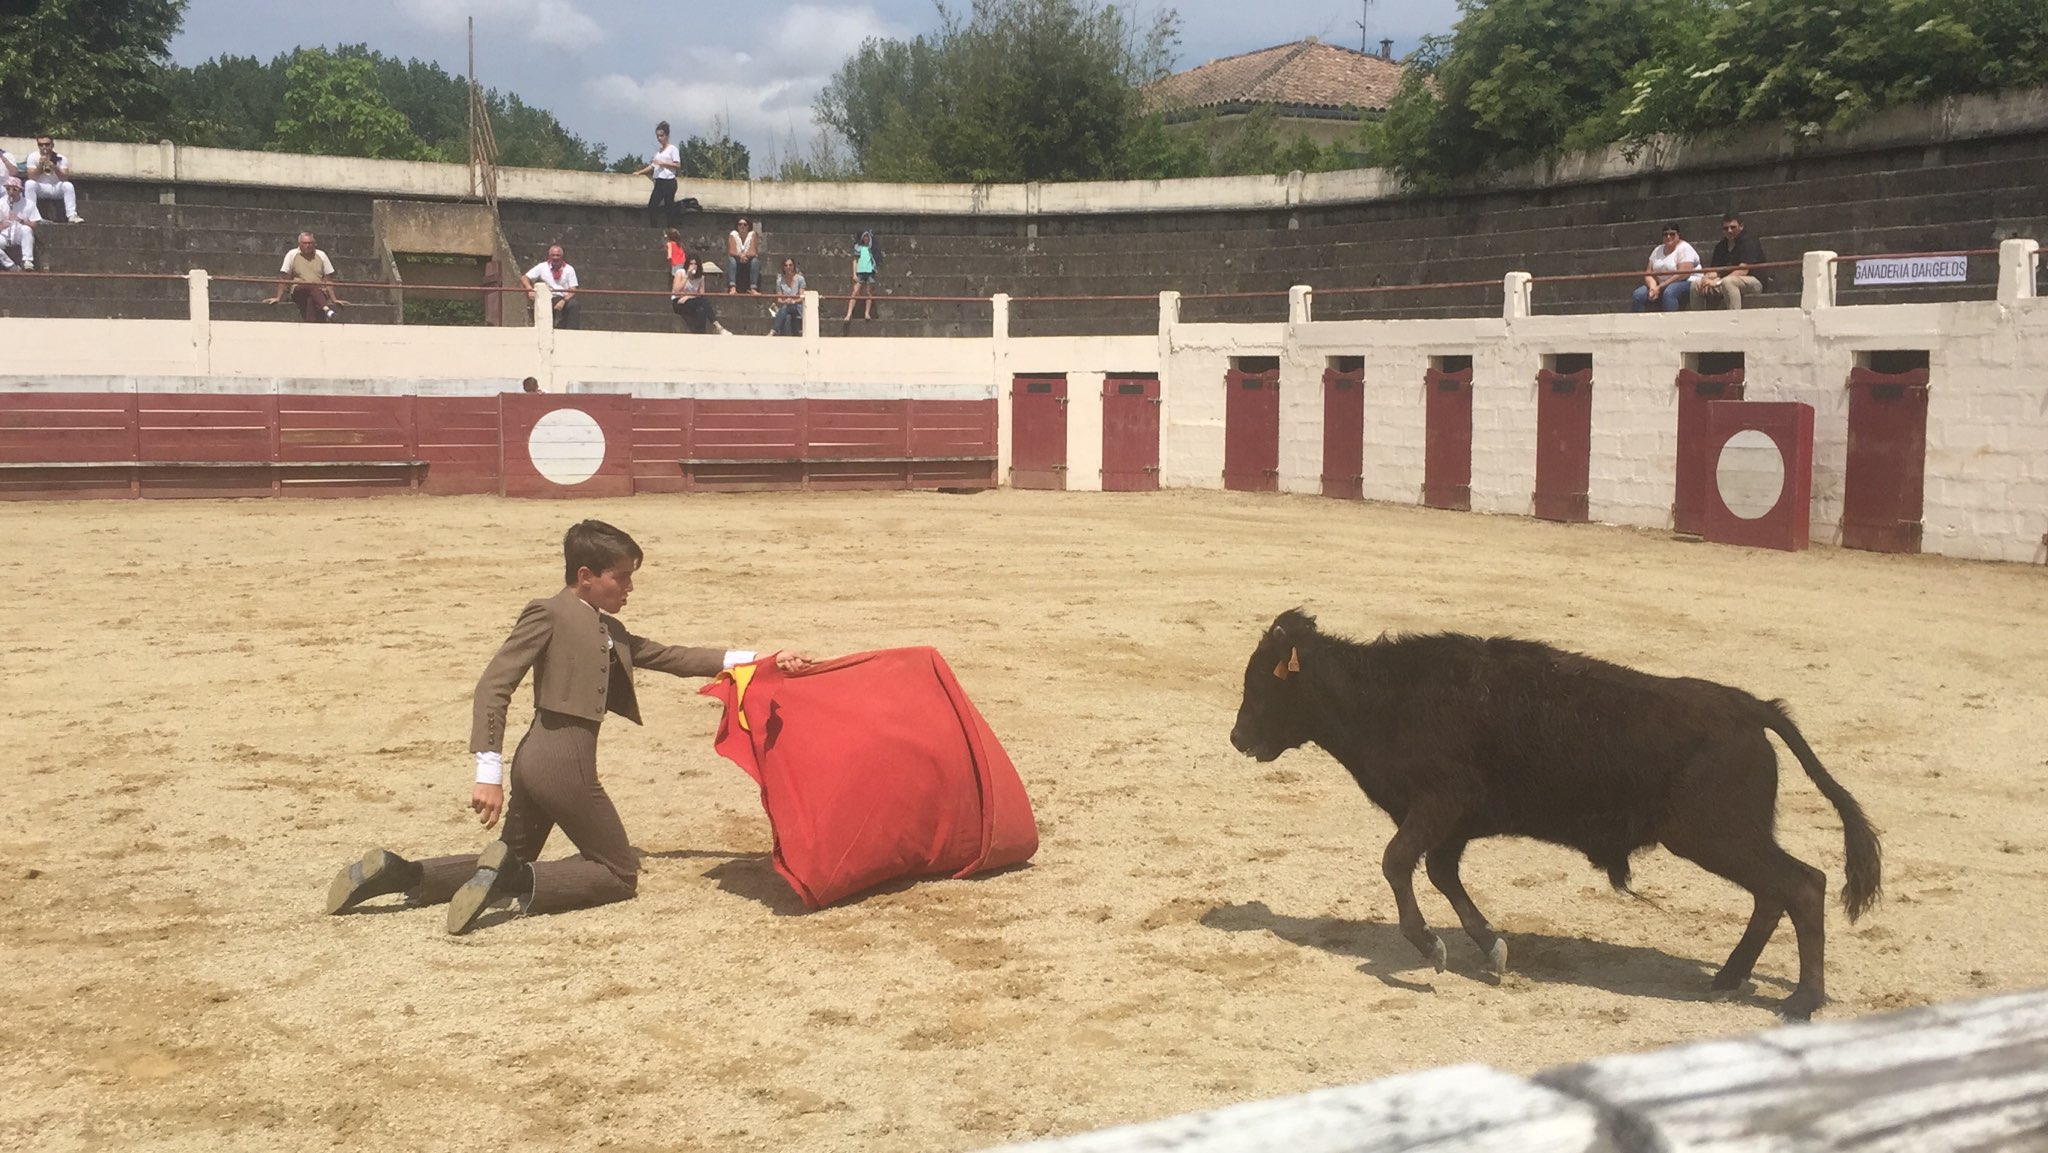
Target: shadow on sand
{"type": "Point", "coordinates": [1385, 954]}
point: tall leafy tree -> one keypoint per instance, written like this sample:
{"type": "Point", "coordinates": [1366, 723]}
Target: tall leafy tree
{"type": "Point", "coordinates": [1523, 79]}
{"type": "Point", "coordinates": [228, 101]}
{"type": "Point", "coordinates": [87, 68]}
{"type": "Point", "coordinates": [1815, 67]}
{"type": "Point", "coordinates": [1010, 90]}
{"type": "Point", "coordinates": [332, 106]}
{"type": "Point", "coordinates": [238, 101]}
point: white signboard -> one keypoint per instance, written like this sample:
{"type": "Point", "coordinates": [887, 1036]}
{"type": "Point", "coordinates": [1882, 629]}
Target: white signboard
{"type": "Point", "coordinates": [1913, 270]}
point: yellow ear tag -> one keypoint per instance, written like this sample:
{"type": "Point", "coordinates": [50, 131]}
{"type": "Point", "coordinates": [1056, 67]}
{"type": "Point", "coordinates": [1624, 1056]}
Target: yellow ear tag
{"type": "Point", "coordinates": [1291, 665]}
{"type": "Point", "coordinates": [741, 675]}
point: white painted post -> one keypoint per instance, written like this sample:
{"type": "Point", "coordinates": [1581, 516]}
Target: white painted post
{"type": "Point", "coordinates": [1817, 280]}
{"type": "Point", "coordinates": [2018, 260]}
{"type": "Point", "coordinates": [999, 315]}
{"type": "Point", "coordinates": [1169, 311]}
{"type": "Point", "coordinates": [167, 159]}
{"type": "Point", "coordinates": [1300, 304]}
{"type": "Point", "coordinates": [811, 340]}
{"type": "Point", "coordinates": [201, 303]}
{"type": "Point", "coordinates": [1515, 295]}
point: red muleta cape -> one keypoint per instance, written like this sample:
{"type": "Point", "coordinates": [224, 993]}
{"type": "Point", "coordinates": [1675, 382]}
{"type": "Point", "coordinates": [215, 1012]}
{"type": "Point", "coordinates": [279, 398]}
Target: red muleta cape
{"type": "Point", "coordinates": [873, 767]}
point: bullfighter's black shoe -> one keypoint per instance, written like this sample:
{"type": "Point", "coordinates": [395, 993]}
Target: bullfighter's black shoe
{"type": "Point", "coordinates": [378, 874]}
{"type": "Point", "coordinates": [500, 875]}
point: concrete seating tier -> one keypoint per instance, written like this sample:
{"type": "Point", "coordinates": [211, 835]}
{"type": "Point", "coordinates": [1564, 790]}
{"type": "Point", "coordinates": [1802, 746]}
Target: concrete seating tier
{"type": "Point", "coordinates": [1955, 195]}
{"type": "Point", "coordinates": [128, 230]}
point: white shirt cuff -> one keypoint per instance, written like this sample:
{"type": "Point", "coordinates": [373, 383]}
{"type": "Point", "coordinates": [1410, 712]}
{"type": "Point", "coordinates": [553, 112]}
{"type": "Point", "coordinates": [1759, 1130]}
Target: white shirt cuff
{"type": "Point", "coordinates": [490, 769]}
{"type": "Point", "coordinates": [738, 657]}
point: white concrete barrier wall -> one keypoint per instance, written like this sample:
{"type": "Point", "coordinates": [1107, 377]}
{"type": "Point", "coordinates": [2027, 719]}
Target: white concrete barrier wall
{"type": "Point", "coordinates": [1986, 481]}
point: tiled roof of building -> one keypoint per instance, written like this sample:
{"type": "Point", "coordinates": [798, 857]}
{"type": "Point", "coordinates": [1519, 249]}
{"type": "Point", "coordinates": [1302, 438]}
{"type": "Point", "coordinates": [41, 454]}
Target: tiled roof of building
{"type": "Point", "coordinates": [1308, 73]}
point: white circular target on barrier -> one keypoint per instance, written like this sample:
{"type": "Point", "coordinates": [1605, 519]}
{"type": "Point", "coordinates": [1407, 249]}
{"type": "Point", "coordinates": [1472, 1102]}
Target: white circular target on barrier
{"type": "Point", "coordinates": [566, 446]}
{"type": "Point", "coordinates": [1750, 474]}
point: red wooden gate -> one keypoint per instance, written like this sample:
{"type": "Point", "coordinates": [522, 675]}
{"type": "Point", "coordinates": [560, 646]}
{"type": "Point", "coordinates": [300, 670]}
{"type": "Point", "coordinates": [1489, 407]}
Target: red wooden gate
{"type": "Point", "coordinates": [1882, 485]}
{"type": "Point", "coordinates": [1251, 430]}
{"type": "Point", "coordinates": [1743, 475]}
{"type": "Point", "coordinates": [1695, 456]}
{"type": "Point", "coordinates": [1130, 434]}
{"type": "Point", "coordinates": [1038, 432]}
{"type": "Point", "coordinates": [1447, 439]}
{"type": "Point", "coordinates": [1564, 443]}
{"type": "Point", "coordinates": [1344, 433]}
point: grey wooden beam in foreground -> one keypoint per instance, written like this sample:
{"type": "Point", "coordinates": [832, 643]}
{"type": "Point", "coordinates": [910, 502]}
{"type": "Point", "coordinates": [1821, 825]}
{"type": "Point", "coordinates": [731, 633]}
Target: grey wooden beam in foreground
{"type": "Point", "coordinates": [1966, 1076]}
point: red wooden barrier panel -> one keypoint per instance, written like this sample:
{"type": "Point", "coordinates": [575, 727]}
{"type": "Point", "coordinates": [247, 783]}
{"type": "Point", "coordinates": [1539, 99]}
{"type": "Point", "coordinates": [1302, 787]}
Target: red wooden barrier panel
{"type": "Point", "coordinates": [952, 443]}
{"type": "Point", "coordinates": [458, 438]}
{"type": "Point", "coordinates": [745, 444]}
{"type": "Point", "coordinates": [69, 428]}
{"type": "Point", "coordinates": [661, 439]}
{"type": "Point", "coordinates": [332, 440]}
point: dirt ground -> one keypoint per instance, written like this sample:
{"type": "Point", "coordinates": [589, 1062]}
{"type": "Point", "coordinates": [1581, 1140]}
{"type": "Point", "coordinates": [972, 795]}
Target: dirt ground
{"type": "Point", "coordinates": [210, 707]}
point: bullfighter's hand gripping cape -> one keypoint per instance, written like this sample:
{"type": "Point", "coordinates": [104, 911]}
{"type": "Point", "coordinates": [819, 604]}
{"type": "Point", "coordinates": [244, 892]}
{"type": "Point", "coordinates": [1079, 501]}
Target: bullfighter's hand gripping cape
{"type": "Point", "coordinates": [873, 767]}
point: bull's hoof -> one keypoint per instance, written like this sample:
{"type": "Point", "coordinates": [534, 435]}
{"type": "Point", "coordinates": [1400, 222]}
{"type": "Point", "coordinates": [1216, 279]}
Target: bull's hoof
{"type": "Point", "coordinates": [1497, 957]}
{"type": "Point", "coordinates": [1729, 992]}
{"type": "Point", "coordinates": [1438, 955]}
{"type": "Point", "coordinates": [1799, 1006]}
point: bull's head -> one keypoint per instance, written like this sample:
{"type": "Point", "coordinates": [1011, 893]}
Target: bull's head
{"type": "Point", "coordinates": [1273, 719]}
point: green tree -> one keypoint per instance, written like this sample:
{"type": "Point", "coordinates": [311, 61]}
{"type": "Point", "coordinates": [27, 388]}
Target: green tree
{"type": "Point", "coordinates": [228, 101]}
{"type": "Point", "coordinates": [333, 107]}
{"type": "Point", "coordinates": [1523, 79]}
{"type": "Point", "coordinates": [719, 157]}
{"type": "Point", "coordinates": [237, 102]}
{"type": "Point", "coordinates": [1817, 67]}
{"type": "Point", "coordinates": [87, 68]}
{"type": "Point", "coordinates": [1012, 90]}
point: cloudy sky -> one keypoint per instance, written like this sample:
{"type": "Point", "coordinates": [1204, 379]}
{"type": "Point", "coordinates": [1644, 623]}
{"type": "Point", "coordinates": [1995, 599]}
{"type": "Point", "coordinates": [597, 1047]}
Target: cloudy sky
{"type": "Point", "coordinates": [610, 68]}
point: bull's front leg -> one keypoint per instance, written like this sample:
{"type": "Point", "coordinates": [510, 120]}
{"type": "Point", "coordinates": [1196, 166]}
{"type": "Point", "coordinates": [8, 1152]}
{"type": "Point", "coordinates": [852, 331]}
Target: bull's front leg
{"type": "Point", "coordinates": [1421, 830]}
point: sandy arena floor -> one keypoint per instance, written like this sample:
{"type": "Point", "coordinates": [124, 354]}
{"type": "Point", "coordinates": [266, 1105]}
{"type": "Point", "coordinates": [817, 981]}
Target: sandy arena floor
{"type": "Point", "coordinates": [212, 706]}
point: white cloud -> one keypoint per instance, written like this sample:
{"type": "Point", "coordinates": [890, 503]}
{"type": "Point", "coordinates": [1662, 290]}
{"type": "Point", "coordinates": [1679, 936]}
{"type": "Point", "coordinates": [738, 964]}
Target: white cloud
{"type": "Point", "coordinates": [762, 88]}
{"type": "Point", "coordinates": [552, 23]}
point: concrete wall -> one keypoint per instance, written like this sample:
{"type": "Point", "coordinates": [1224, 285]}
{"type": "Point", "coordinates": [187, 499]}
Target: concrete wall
{"type": "Point", "coordinates": [1987, 456]}
{"type": "Point", "coordinates": [1954, 118]}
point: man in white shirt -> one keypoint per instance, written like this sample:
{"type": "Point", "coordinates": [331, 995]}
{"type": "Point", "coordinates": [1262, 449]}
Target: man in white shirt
{"type": "Point", "coordinates": [661, 202]}
{"type": "Point", "coordinates": [18, 220]}
{"type": "Point", "coordinates": [560, 277]}
{"type": "Point", "coordinates": [52, 178]}
{"type": "Point", "coordinates": [1667, 280]}
{"type": "Point", "coordinates": [307, 276]}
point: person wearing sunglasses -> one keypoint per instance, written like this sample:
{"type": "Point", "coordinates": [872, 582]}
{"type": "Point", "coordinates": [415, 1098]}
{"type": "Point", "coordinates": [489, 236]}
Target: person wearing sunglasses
{"type": "Point", "coordinates": [1737, 252]}
{"type": "Point", "coordinates": [1667, 280]}
{"type": "Point", "coordinates": [48, 175]}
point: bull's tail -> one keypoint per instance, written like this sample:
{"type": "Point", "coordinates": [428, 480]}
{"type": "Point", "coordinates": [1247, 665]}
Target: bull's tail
{"type": "Point", "coordinates": [1859, 839]}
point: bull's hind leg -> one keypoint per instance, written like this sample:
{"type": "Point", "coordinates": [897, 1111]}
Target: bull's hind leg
{"type": "Point", "coordinates": [1763, 922]}
{"type": "Point", "coordinates": [1442, 863]}
{"type": "Point", "coordinates": [1421, 830]}
{"type": "Point", "coordinates": [1778, 880]}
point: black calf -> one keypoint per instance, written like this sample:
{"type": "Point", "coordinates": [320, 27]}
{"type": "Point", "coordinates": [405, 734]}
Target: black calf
{"type": "Point", "coordinates": [1458, 738]}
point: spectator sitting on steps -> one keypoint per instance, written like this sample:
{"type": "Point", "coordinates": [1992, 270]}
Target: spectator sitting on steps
{"type": "Point", "coordinates": [18, 220]}
{"type": "Point", "coordinates": [677, 256]}
{"type": "Point", "coordinates": [560, 276]}
{"type": "Point", "coordinates": [52, 178]}
{"type": "Point", "coordinates": [1665, 280]}
{"type": "Point", "coordinates": [743, 258]}
{"type": "Point", "coordinates": [307, 276]}
{"type": "Point", "coordinates": [789, 300]}
{"type": "Point", "coordinates": [693, 306]}
{"type": "Point", "coordinates": [1737, 251]}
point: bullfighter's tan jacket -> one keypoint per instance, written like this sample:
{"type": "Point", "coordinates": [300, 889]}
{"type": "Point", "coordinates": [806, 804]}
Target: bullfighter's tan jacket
{"type": "Point", "coordinates": [582, 662]}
